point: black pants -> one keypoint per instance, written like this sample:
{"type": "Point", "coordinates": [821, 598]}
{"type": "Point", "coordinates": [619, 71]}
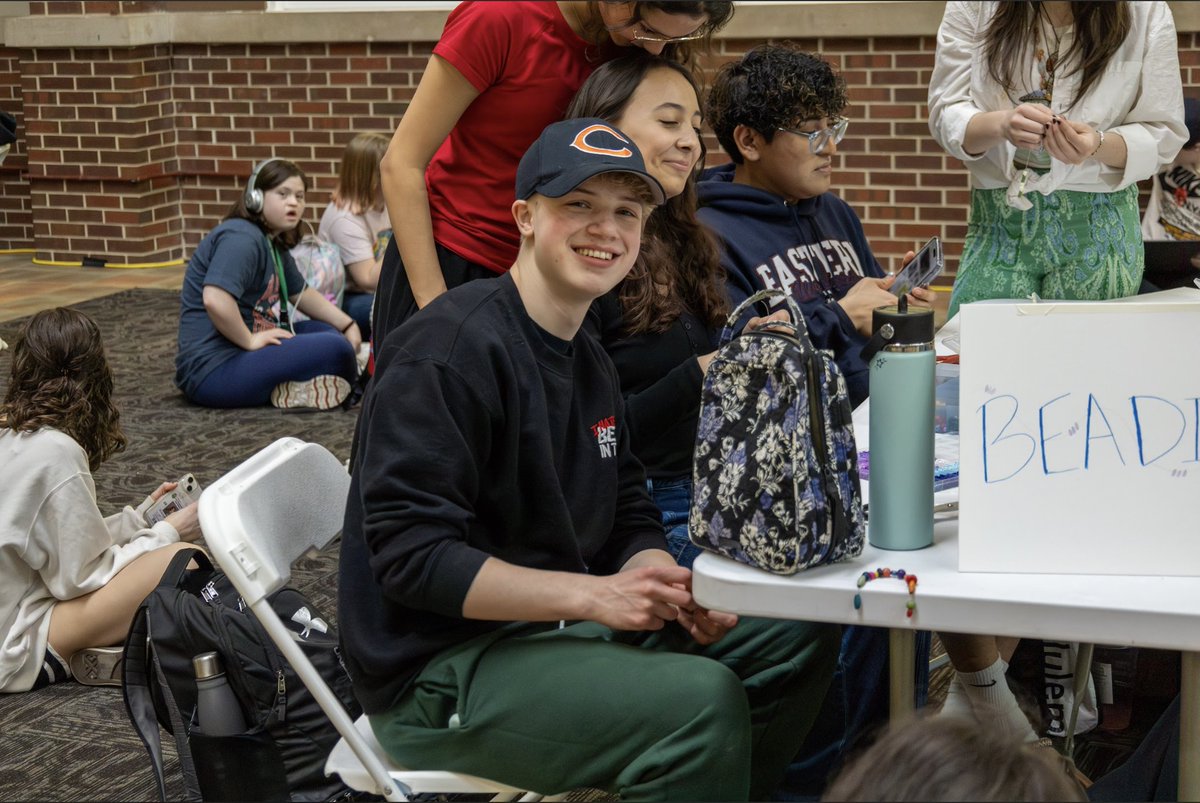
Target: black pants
{"type": "Point", "coordinates": [394, 301]}
{"type": "Point", "coordinates": [1152, 772]}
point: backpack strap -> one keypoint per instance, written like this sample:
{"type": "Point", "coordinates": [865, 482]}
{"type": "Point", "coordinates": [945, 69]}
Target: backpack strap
{"type": "Point", "coordinates": [140, 658]}
{"type": "Point", "coordinates": [177, 569]}
{"type": "Point", "coordinates": [762, 295]}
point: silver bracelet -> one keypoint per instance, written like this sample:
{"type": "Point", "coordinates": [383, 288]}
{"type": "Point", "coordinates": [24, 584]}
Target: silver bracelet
{"type": "Point", "coordinates": [1099, 145]}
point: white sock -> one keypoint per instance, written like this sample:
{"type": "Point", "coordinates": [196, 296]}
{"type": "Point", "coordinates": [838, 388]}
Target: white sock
{"type": "Point", "coordinates": [957, 703]}
{"type": "Point", "coordinates": [994, 703]}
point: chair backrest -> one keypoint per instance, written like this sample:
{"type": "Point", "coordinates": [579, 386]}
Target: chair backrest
{"type": "Point", "coordinates": [282, 502]}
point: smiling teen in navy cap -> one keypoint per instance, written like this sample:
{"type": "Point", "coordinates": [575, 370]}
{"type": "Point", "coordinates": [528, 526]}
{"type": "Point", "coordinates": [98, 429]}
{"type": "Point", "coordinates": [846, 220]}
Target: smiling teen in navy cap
{"type": "Point", "coordinates": [494, 498]}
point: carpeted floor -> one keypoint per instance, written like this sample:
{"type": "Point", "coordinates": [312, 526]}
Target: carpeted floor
{"type": "Point", "coordinates": [74, 742]}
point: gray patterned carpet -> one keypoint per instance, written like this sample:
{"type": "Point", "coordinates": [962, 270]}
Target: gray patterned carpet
{"type": "Point", "coordinates": [73, 742]}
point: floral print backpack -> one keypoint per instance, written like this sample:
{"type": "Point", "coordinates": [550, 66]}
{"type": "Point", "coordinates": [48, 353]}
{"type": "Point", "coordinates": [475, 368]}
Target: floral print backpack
{"type": "Point", "coordinates": [775, 473]}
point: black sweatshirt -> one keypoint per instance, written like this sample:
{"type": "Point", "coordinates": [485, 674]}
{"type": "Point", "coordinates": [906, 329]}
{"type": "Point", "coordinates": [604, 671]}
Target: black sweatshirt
{"type": "Point", "coordinates": [478, 437]}
{"type": "Point", "coordinates": [661, 383]}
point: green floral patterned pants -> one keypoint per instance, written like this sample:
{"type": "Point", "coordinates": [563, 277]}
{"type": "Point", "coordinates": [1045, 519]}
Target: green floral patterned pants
{"type": "Point", "coordinates": [1081, 245]}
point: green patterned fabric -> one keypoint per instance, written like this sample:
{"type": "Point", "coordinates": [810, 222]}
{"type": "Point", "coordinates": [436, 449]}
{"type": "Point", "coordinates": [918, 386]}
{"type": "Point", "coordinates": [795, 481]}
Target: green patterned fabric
{"type": "Point", "coordinates": [1070, 245]}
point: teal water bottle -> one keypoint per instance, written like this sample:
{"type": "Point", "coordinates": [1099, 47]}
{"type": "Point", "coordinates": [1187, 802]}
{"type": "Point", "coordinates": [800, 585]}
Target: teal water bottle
{"type": "Point", "coordinates": [901, 418]}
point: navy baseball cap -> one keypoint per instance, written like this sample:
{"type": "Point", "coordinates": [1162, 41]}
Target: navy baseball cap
{"type": "Point", "coordinates": [570, 152]}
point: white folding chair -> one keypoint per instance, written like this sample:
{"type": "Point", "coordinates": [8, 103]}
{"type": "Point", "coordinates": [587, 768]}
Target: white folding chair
{"type": "Point", "coordinates": [281, 503]}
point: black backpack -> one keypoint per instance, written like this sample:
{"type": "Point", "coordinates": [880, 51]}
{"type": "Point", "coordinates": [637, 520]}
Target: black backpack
{"type": "Point", "coordinates": [282, 755]}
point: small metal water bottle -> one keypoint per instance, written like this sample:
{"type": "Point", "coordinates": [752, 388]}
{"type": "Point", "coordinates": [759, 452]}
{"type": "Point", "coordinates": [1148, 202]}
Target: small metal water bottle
{"type": "Point", "coordinates": [901, 359]}
{"type": "Point", "coordinates": [217, 710]}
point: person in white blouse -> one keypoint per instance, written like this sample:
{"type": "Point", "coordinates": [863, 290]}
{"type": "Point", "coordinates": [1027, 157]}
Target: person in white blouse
{"type": "Point", "coordinates": [70, 579]}
{"type": "Point", "coordinates": [1057, 109]}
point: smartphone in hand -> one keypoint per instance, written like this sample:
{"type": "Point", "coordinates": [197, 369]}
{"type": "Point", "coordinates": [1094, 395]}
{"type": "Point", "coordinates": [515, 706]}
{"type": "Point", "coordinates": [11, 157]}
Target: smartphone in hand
{"type": "Point", "coordinates": [926, 266]}
{"type": "Point", "coordinates": [186, 491]}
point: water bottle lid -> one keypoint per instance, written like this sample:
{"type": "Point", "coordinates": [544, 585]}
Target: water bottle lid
{"type": "Point", "coordinates": [207, 665]}
{"type": "Point", "coordinates": [913, 325]}
{"type": "Point", "coordinates": [899, 329]}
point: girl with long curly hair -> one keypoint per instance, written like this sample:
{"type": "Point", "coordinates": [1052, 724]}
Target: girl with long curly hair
{"type": "Point", "coordinates": [70, 579]}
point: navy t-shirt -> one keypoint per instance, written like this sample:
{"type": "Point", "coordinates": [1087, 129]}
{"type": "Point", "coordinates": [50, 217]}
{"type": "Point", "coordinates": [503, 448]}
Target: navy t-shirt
{"type": "Point", "coordinates": [235, 257]}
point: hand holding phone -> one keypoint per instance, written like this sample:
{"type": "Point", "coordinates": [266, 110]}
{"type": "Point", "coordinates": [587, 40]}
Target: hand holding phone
{"type": "Point", "coordinates": [186, 491]}
{"type": "Point", "coordinates": [926, 266]}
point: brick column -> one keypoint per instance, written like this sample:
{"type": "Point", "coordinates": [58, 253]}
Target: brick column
{"type": "Point", "coordinates": [100, 137]}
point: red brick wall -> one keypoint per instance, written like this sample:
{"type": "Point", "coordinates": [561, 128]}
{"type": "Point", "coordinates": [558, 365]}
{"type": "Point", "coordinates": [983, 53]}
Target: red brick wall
{"type": "Point", "coordinates": [135, 153]}
{"type": "Point", "coordinates": [238, 104]}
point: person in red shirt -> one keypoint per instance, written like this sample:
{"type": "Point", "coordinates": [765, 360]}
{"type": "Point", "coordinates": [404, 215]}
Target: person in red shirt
{"type": "Point", "coordinates": [501, 72]}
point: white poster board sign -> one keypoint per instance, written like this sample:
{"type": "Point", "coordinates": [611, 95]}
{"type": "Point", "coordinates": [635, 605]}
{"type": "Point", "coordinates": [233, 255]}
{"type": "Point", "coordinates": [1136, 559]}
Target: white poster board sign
{"type": "Point", "coordinates": [1080, 436]}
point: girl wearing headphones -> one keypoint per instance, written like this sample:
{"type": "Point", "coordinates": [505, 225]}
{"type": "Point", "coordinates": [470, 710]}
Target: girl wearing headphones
{"type": "Point", "coordinates": [237, 344]}
{"type": "Point", "coordinates": [501, 72]}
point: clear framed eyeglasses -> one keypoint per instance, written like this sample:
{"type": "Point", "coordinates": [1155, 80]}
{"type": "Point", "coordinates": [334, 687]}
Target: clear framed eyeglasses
{"type": "Point", "coordinates": [819, 139]}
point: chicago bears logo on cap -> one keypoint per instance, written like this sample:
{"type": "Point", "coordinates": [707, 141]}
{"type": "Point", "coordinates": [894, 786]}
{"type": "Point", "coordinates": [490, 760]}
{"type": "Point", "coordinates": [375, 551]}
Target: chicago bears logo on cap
{"type": "Point", "coordinates": [569, 152]}
{"type": "Point", "coordinates": [581, 142]}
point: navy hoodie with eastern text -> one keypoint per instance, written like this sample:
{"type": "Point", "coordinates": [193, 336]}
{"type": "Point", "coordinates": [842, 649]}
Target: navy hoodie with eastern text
{"type": "Point", "coordinates": [814, 249]}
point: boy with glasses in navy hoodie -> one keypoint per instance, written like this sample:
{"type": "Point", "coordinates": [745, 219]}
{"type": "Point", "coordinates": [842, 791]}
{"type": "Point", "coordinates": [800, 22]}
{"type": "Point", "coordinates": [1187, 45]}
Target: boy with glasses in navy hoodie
{"type": "Point", "coordinates": [777, 112]}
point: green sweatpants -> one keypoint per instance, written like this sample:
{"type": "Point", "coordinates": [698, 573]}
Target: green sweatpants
{"type": "Point", "coordinates": [648, 716]}
{"type": "Point", "coordinates": [1070, 245]}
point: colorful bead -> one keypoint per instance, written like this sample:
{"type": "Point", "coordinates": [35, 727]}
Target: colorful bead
{"type": "Point", "coordinates": [857, 601]}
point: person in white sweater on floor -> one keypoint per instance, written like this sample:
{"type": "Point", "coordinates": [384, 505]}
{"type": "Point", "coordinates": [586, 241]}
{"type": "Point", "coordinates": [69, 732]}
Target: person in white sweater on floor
{"type": "Point", "coordinates": [70, 579]}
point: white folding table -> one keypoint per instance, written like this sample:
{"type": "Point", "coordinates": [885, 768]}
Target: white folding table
{"type": "Point", "coordinates": [1160, 612]}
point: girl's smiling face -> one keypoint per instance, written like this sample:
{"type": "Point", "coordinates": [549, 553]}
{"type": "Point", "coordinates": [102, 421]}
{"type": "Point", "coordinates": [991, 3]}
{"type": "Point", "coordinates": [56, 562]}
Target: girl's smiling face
{"type": "Point", "coordinates": [663, 118]}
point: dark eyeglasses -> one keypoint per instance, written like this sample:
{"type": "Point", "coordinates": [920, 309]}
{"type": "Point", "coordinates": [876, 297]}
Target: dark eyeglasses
{"type": "Point", "coordinates": [819, 139]}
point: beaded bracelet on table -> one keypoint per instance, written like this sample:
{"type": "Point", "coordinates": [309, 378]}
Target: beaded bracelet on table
{"type": "Point", "coordinates": [899, 574]}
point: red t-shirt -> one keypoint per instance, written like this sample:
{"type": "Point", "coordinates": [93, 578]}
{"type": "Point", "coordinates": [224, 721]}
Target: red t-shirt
{"type": "Point", "coordinates": [527, 64]}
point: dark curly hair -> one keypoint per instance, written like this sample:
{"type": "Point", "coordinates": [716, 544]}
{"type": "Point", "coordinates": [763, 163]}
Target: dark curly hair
{"type": "Point", "coordinates": [677, 252]}
{"type": "Point", "coordinates": [274, 173]}
{"type": "Point", "coordinates": [772, 86]}
{"type": "Point", "coordinates": [61, 379]}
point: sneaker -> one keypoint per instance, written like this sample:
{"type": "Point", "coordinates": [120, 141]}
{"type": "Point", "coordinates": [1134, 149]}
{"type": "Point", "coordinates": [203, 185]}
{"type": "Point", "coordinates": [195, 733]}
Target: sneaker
{"type": "Point", "coordinates": [319, 393]}
{"type": "Point", "coordinates": [98, 666]}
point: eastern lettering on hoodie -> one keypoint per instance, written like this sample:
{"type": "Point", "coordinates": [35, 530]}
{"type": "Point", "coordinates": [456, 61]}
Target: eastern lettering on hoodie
{"type": "Point", "coordinates": [798, 270]}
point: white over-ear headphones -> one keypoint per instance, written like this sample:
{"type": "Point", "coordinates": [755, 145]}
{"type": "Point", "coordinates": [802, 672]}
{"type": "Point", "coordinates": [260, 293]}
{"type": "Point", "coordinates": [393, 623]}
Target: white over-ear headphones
{"type": "Point", "coordinates": [253, 198]}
